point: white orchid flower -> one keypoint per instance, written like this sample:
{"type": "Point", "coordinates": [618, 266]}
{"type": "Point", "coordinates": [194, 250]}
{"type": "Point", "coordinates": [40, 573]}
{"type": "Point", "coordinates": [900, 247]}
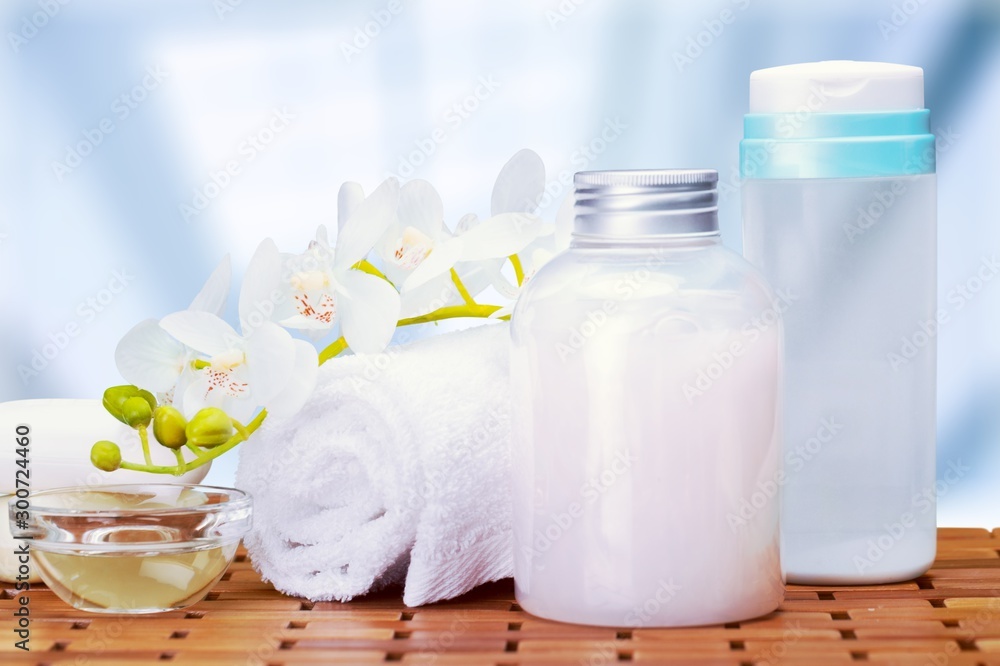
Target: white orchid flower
{"type": "Point", "coordinates": [511, 228]}
{"type": "Point", "coordinates": [264, 367]}
{"type": "Point", "coordinates": [320, 289]}
{"type": "Point", "coordinates": [416, 230]}
{"type": "Point", "coordinates": [149, 357]}
{"type": "Point", "coordinates": [539, 252]}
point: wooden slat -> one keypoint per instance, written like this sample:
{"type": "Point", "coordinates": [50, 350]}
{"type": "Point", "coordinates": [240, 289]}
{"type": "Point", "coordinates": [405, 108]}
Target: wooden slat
{"type": "Point", "coordinates": [949, 615]}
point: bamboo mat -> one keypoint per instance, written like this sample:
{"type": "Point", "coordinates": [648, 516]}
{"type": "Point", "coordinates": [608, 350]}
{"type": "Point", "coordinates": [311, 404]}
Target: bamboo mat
{"type": "Point", "coordinates": [949, 616]}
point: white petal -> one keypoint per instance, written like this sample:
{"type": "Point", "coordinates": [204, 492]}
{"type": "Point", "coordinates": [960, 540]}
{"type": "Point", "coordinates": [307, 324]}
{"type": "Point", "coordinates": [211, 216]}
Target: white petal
{"type": "Point", "coordinates": [505, 311]}
{"type": "Point", "coordinates": [304, 323]}
{"type": "Point", "coordinates": [441, 292]}
{"type": "Point", "coordinates": [505, 287]}
{"type": "Point", "coordinates": [213, 296]}
{"type": "Point", "coordinates": [260, 289]}
{"type": "Point", "coordinates": [540, 257]}
{"type": "Point", "coordinates": [241, 409]}
{"type": "Point", "coordinates": [420, 207]}
{"type": "Point", "coordinates": [501, 236]}
{"type": "Point", "coordinates": [564, 222]}
{"type": "Point", "coordinates": [441, 259]}
{"type": "Point", "coordinates": [322, 237]}
{"type": "Point", "coordinates": [437, 293]}
{"type": "Point", "coordinates": [149, 358]}
{"type": "Point", "coordinates": [202, 331]}
{"type": "Point", "coordinates": [350, 197]}
{"type": "Point", "coordinates": [300, 385]}
{"type": "Point", "coordinates": [188, 376]}
{"type": "Point", "coordinates": [366, 225]}
{"type": "Point", "coordinates": [468, 221]}
{"type": "Point", "coordinates": [368, 308]}
{"type": "Point", "coordinates": [197, 396]}
{"type": "Point", "coordinates": [520, 185]}
{"type": "Point", "coordinates": [270, 353]}
{"type": "Point", "coordinates": [478, 275]}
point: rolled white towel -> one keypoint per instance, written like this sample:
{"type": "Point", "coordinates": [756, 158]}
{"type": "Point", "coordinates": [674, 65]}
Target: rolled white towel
{"type": "Point", "coordinates": [397, 469]}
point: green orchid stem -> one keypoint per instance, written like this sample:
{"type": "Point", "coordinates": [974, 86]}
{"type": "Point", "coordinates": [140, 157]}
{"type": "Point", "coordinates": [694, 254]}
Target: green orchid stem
{"type": "Point", "coordinates": [243, 432]}
{"type": "Point", "coordinates": [332, 349]}
{"type": "Point", "coordinates": [515, 261]}
{"type": "Point", "coordinates": [466, 296]}
{"type": "Point", "coordinates": [451, 312]}
{"type": "Point", "coordinates": [368, 267]}
{"type": "Point", "coordinates": [144, 438]}
{"type": "Point", "coordinates": [241, 429]}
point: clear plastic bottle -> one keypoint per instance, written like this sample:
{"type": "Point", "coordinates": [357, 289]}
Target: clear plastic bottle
{"type": "Point", "coordinates": [839, 214]}
{"type": "Point", "coordinates": [646, 366]}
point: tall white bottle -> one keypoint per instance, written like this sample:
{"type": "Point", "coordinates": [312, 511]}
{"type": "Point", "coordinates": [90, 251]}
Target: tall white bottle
{"type": "Point", "coordinates": [645, 369]}
{"type": "Point", "coordinates": [839, 213]}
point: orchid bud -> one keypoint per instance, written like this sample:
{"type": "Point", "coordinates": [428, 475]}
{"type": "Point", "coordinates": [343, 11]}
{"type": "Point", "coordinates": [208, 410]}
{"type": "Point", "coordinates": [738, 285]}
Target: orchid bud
{"type": "Point", "coordinates": [115, 397]}
{"type": "Point", "coordinates": [136, 412]}
{"type": "Point", "coordinates": [168, 427]}
{"type": "Point", "coordinates": [209, 428]}
{"type": "Point", "coordinates": [106, 456]}
{"type": "Point", "coordinates": [148, 397]}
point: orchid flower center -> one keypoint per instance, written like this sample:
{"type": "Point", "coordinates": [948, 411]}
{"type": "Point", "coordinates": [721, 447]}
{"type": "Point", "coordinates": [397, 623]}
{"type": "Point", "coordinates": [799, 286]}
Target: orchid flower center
{"type": "Point", "coordinates": [223, 371]}
{"type": "Point", "coordinates": [310, 280]}
{"type": "Point", "coordinates": [227, 360]}
{"type": "Point", "coordinates": [314, 295]}
{"type": "Point", "coordinates": [412, 248]}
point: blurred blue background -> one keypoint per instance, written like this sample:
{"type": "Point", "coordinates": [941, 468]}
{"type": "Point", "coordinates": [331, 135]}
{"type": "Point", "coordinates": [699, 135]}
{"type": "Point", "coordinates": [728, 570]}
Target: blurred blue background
{"type": "Point", "coordinates": [118, 113]}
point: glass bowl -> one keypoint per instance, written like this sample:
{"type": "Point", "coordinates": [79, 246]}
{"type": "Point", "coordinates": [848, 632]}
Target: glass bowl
{"type": "Point", "coordinates": [137, 548]}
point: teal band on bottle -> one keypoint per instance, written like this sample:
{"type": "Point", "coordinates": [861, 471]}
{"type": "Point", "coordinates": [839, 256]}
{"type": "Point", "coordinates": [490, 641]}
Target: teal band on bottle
{"type": "Point", "coordinates": [836, 145]}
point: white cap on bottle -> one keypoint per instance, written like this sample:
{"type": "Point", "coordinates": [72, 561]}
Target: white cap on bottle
{"type": "Point", "coordinates": [836, 86]}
